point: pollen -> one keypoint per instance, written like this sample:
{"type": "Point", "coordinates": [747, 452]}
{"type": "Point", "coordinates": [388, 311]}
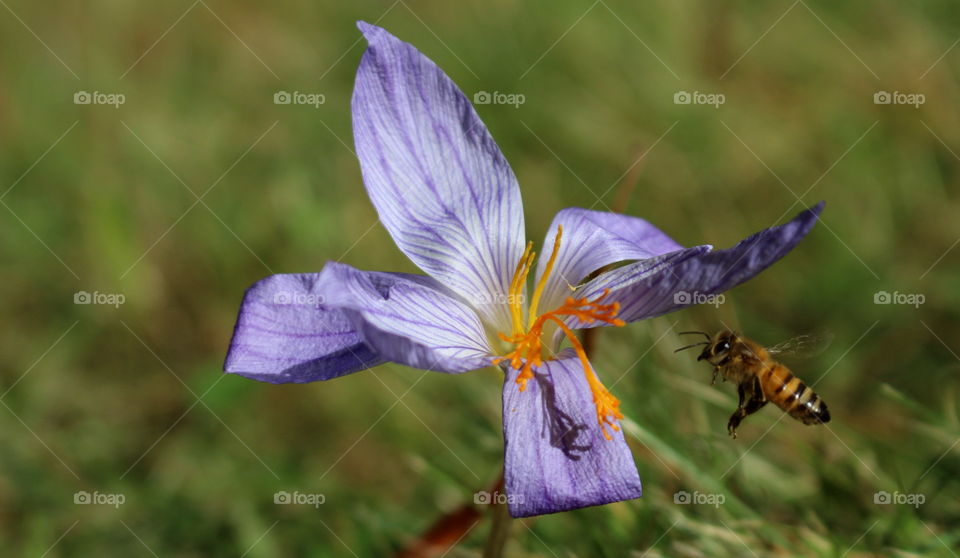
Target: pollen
{"type": "Point", "coordinates": [527, 335]}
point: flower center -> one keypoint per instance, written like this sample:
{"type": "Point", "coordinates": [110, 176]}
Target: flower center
{"type": "Point", "coordinates": [527, 336]}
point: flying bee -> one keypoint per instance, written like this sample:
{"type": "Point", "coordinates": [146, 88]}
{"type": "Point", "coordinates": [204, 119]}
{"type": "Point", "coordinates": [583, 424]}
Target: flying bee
{"type": "Point", "coordinates": [761, 379]}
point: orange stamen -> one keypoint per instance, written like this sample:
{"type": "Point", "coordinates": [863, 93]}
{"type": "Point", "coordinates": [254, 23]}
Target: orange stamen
{"type": "Point", "coordinates": [517, 284]}
{"type": "Point", "coordinates": [527, 353]}
{"type": "Point", "coordinates": [535, 302]}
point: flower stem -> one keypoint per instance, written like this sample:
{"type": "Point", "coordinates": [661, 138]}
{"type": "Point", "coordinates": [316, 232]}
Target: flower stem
{"type": "Point", "coordinates": [499, 531]}
{"type": "Point", "coordinates": [500, 522]}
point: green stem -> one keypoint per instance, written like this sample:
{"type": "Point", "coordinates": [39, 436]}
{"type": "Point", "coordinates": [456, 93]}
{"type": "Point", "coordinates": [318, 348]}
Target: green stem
{"type": "Point", "coordinates": [499, 531]}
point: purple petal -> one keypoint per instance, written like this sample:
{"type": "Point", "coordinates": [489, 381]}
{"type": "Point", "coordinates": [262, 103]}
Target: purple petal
{"type": "Point", "coordinates": [284, 334]}
{"type": "Point", "coordinates": [592, 240]}
{"type": "Point", "coordinates": [408, 319]}
{"type": "Point", "coordinates": [686, 278]}
{"type": "Point", "coordinates": [443, 189]}
{"type": "Point", "coordinates": [557, 458]}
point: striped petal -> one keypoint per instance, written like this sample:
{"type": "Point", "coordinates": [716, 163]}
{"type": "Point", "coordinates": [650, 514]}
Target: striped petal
{"type": "Point", "coordinates": [593, 240]}
{"type": "Point", "coordinates": [284, 334]}
{"type": "Point", "coordinates": [557, 458]}
{"type": "Point", "coordinates": [686, 278]}
{"type": "Point", "coordinates": [440, 184]}
{"type": "Point", "coordinates": [408, 319]}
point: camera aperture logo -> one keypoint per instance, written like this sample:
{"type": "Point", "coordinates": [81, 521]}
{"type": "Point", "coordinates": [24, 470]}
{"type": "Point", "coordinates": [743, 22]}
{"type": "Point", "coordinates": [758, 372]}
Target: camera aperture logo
{"type": "Point", "coordinates": [896, 297]}
{"type": "Point", "coordinates": [899, 98]}
{"type": "Point", "coordinates": [96, 297]}
{"type": "Point", "coordinates": [883, 498]}
{"type": "Point", "coordinates": [85, 498]}
{"type": "Point", "coordinates": [298, 98]}
{"type": "Point", "coordinates": [688, 298]}
{"type": "Point", "coordinates": [498, 98]}
{"type": "Point", "coordinates": [484, 498]}
{"type": "Point", "coordinates": [699, 498]}
{"type": "Point", "coordinates": [99, 98]}
{"type": "Point", "coordinates": [699, 98]}
{"type": "Point", "coordinates": [284, 498]}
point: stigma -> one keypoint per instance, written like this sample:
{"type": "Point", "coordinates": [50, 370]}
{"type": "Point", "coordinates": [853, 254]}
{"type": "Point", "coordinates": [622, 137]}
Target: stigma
{"type": "Point", "coordinates": [527, 335]}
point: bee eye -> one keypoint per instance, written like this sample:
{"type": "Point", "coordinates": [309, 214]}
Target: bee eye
{"type": "Point", "coordinates": [723, 347]}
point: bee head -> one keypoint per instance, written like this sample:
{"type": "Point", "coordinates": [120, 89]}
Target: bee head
{"type": "Point", "coordinates": [719, 347]}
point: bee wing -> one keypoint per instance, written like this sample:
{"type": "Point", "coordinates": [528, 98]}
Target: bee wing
{"type": "Point", "coordinates": [802, 346]}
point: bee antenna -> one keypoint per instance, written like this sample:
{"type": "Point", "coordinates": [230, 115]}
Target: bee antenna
{"type": "Point", "coordinates": [691, 346]}
{"type": "Point", "coordinates": [696, 333]}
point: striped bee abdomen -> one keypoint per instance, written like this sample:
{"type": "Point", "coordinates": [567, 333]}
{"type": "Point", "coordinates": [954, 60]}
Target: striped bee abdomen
{"type": "Point", "coordinates": [786, 391]}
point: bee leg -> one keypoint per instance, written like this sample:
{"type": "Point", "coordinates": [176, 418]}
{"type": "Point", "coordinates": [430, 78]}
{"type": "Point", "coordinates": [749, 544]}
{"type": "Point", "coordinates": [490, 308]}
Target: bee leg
{"type": "Point", "coordinates": [734, 422]}
{"type": "Point", "coordinates": [755, 402]}
{"type": "Point", "coordinates": [737, 415]}
{"type": "Point", "coordinates": [716, 370]}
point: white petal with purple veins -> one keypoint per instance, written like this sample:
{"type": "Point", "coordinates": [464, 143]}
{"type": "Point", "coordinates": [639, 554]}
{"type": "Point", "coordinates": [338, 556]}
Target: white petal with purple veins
{"type": "Point", "coordinates": [592, 240]}
{"type": "Point", "coordinates": [284, 333]}
{"type": "Point", "coordinates": [687, 277]}
{"type": "Point", "coordinates": [408, 319]}
{"type": "Point", "coordinates": [440, 184]}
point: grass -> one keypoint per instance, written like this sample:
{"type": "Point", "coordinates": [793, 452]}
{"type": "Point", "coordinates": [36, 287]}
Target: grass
{"type": "Point", "coordinates": [105, 399]}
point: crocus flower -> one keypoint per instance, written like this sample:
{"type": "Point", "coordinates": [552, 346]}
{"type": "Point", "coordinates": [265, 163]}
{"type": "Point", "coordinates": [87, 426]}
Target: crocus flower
{"type": "Point", "coordinates": [450, 201]}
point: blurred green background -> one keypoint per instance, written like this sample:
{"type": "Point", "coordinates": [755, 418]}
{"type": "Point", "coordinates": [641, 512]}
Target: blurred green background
{"type": "Point", "coordinates": [130, 400]}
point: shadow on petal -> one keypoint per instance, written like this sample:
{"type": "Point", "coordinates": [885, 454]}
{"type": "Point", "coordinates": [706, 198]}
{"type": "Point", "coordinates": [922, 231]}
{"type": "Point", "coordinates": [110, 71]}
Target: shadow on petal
{"type": "Point", "coordinates": [562, 429]}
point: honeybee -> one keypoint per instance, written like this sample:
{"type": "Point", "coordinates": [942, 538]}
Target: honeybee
{"type": "Point", "coordinates": [761, 379]}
